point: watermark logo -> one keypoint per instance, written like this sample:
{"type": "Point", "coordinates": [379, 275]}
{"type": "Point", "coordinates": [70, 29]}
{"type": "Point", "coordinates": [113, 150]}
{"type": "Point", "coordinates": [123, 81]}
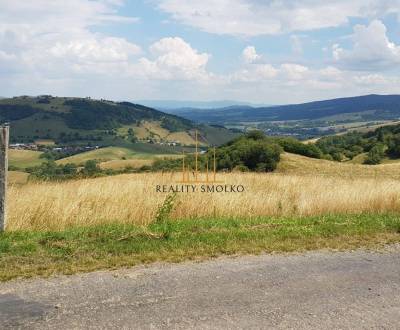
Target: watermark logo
{"type": "Point", "coordinates": [194, 180]}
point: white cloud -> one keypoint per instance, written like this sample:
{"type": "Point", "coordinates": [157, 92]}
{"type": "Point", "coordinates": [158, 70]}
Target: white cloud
{"type": "Point", "coordinates": [296, 83]}
{"type": "Point", "coordinates": [372, 49]}
{"type": "Point", "coordinates": [256, 73]}
{"type": "Point", "coordinates": [175, 59]}
{"type": "Point", "coordinates": [106, 49]}
{"type": "Point", "coordinates": [45, 37]}
{"type": "Point", "coordinates": [256, 17]}
{"type": "Point", "coordinates": [294, 71]}
{"type": "Point", "coordinates": [263, 72]}
{"type": "Point", "coordinates": [250, 55]}
{"type": "Point", "coordinates": [330, 72]}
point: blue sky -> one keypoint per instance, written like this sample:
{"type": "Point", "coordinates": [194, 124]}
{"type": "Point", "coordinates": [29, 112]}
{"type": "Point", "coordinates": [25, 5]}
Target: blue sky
{"type": "Point", "coordinates": [269, 51]}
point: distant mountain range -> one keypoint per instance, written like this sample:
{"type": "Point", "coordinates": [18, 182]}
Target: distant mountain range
{"type": "Point", "coordinates": [174, 106]}
{"type": "Point", "coordinates": [364, 108]}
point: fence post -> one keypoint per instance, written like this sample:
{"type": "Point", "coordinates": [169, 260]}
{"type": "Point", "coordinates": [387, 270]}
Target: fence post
{"type": "Point", "coordinates": [4, 138]}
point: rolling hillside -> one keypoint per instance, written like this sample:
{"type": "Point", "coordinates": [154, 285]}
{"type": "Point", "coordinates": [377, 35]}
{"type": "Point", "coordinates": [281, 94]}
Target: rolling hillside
{"type": "Point", "coordinates": [362, 108]}
{"type": "Point", "coordinates": [67, 120]}
{"type": "Point", "coordinates": [292, 164]}
{"type": "Point", "coordinates": [116, 158]}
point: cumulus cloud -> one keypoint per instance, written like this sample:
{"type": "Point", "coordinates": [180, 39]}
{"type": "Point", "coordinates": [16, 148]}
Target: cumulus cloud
{"type": "Point", "coordinates": [175, 59]}
{"type": "Point", "coordinates": [250, 55]}
{"type": "Point", "coordinates": [106, 49]}
{"type": "Point", "coordinates": [255, 17]}
{"type": "Point", "coordinates": [54, 37]}
{"type": "Point", "coordinates": [372, 49]}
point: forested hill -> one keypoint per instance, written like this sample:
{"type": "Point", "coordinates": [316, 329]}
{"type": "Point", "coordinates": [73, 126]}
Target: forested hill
{"type": "Point", "coordinates": [82, 113]}
{"type": "Point", "coordinates": [83, 119]}
{"type": "Point", "coordinates": [369, 107]}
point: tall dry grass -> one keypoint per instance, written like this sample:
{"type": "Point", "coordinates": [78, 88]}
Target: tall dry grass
{"type": "Point", "coordinates": [133, 199]}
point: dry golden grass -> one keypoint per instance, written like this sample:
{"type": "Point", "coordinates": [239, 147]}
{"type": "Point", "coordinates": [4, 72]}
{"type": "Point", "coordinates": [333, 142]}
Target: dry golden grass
{"type": "Point", "coordinates": [299, 165]}
{"type": "Point", "coordinates": [156, 128]}
{"type": "Point", "coordinates": [102, 154]}
{"type": "Point", "coordinates": [17, 178]}
{"type": "Point", "coordinates": [121, 164]}
{"type": "Point", "coordinates": [182, 137]}
{"type": "Point", "coordinates": [24, 158]}
{"type": "Point", "coordinates": [133, 198]}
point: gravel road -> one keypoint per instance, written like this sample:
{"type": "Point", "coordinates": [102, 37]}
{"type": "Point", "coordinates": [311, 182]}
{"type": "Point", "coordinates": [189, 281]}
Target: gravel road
{"type": "Point", "coordinates": [317, 290]}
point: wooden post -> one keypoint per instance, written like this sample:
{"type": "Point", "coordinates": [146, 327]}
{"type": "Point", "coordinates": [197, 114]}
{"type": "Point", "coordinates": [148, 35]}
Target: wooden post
{"type": "Point", "coordinates": [4, 137]}
{"type": "Point", "coordinates": [196, 170]}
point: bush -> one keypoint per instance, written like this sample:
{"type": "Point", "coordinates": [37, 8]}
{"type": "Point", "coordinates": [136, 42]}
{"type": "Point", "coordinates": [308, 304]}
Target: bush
{"type": "Point", "coordinates": [91, 168]}
{"type": "Point", "coordinates": [297, 147]}
{"type": "Point", "coordinates": [375, 155]}
{"type": "Point", "coordinates": [51, 171]}
{"type": "Point", "coordinates": [253, 151]}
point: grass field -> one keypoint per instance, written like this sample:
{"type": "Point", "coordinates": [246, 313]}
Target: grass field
{"type": "Point", "coordinates": [300, 187]}
{"type": "Point", "coordinates": [17, 177]}
{"type": "Point", "coordinates": [115, 158]}
{"type": "Point", "coordinates": [304, 166]}
{"type": "Point", "coordinates": [110, 222]}
{"type": "Point", "coordinates": [102, 155]}
{"type": "Point", "coordinates": [359, 159]}
{"type": "Point", "coordinates": [24, 158]}
{"type": "Point", "coordinates": [25, 254]}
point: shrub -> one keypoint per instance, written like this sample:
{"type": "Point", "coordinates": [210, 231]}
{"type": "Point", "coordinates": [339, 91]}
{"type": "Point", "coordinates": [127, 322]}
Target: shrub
{"type": "Point", "coordinates": [254, 151]}
{"type": "Point", "coordinates": [297, 147]}
{"type": "Point", "coordinates": [91, 168]}
{"type": "Point", "coordinates": [375, 155]}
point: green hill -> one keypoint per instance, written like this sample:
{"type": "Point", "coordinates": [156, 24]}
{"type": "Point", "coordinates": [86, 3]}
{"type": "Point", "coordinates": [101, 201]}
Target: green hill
{"type": "Point", "coordinates": [83, 120]}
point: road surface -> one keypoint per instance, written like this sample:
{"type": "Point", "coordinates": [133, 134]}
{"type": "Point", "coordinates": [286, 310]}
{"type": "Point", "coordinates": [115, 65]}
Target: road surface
{"type": "Point", "coordinates": [317, 290]}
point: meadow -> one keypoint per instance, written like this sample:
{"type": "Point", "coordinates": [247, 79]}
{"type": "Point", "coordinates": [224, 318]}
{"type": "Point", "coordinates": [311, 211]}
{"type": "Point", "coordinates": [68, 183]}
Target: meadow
{"type": "Point", "coordinates": [115, 158]}
{"type": "Point", "coordinates": [120, 221]}
{"type": "Point", "coordinates": [24, 158]}
{"type": "Point", "coordinates": [300, 187]}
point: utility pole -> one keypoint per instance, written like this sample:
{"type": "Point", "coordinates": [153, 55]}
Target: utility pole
{"type": "Point", "coordinates": [4, 138]}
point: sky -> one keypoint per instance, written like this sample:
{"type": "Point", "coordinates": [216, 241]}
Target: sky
{"type": "Point", "coordinates": [260, 51]}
